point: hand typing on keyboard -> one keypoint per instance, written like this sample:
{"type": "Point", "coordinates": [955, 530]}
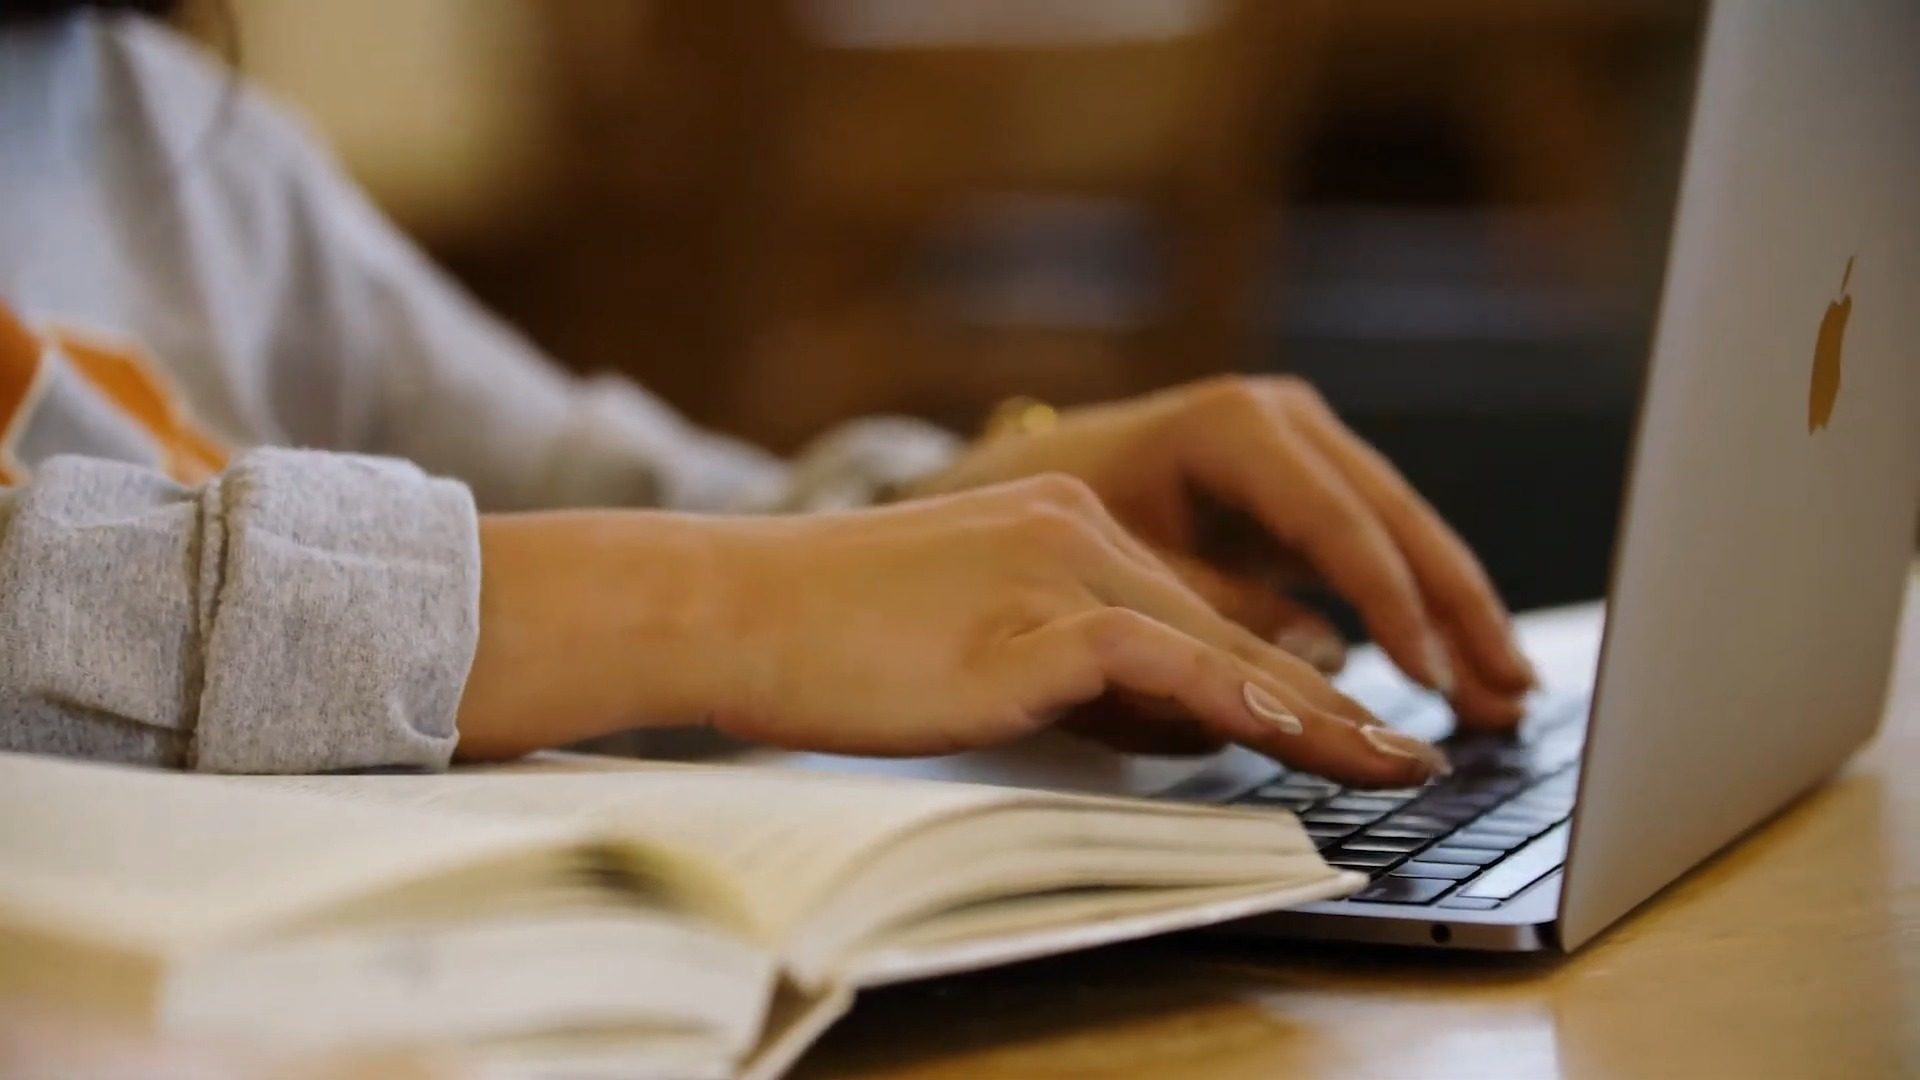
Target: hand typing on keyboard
{"type": "Point", "coordinates": [1468, 841]}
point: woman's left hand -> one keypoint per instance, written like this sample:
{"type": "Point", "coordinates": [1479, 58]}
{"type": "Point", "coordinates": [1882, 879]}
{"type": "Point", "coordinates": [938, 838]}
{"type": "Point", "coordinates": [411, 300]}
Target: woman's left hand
{"type": "Point", "coordinates": [1238, 482]}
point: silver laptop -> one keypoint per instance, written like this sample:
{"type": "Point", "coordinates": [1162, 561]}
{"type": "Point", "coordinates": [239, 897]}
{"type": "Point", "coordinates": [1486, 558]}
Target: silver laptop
{"type": "Point", "coordinates": [1768, 528]}
{"type": "Point", "coordinates": [1768, 531]}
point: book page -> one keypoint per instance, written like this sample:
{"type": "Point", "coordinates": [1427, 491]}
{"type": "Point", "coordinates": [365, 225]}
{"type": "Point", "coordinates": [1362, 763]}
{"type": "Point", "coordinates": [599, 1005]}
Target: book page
{"type": "Point", "coordinates": [145, 858]}
{"type": "Point", "coordinates": [564, 968]}
{"type": "Point", "coordinates": [779, 841]}
{"type": "Point", "coordinates": [1020, 928]}
{"type": "Point", "coordinates": [794, 1022]}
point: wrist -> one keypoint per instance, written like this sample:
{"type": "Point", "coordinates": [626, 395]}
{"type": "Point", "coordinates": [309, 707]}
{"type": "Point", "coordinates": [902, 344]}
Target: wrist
{"type": "Point", "coordinates": [1012, 420]}
{"type": "Point", "coordinates": [593, 622]}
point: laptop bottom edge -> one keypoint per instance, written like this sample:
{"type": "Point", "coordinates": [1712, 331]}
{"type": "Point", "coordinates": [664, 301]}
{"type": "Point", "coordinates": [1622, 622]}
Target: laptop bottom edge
{"type": "Point", "coordinates": [1431, 929]}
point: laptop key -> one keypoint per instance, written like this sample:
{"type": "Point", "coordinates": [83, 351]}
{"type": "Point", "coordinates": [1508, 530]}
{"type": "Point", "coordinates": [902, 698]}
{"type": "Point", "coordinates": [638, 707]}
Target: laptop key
{"type": "Point", "coordinates": [1557, 806]}
{"type": "Point", "coordinates": [1272, 793]}
{"type": "Point", "coordinates": [1365, 804]}
{"type": "Point", "coordinates": [1337, 817]}
{"type": "Point", "coordinates": [1524, 813]}
{"type": "Point", "coordinates": [1296, 789]}
{"type": "Point", "coordinates": [1523, 867]}
{"type": "Point", "coordinates": [1487, 836]}
{"type": "Point", "coordinates": [1447, 871]}
{"type": "Point", "coordinates": [1469, 903]}
{"type": "Point", "coordinates": [1399, 890]}
{"type": "Point", "coordinates": [1517, 819]}
{"type": "Point", "coordinates": [1418, 823]}
{"type": "Point", "coordinates": [1396, 794]}
{"type": "Point", "coordinates": [1452, 811]}
{"type": "Point", "coordinates": [1362, 860]}
{"type": "Point", "coordinates": [1523, 760]}
{"type": "Point", "coordinates": [1389, 831]}
{"type": "Point", "coordinates": [1466, 856]}
{"type": "Point", "coordinates": [1340, 828]}
{"type": "Point", "coordinates": [1395, 844]}
{"type": "Point", "coordinates": [1479, 799]}
{"type": "Point", "coordinates": [1527, 828]}
{"type": "Point", "coordinates": [1497, 782]}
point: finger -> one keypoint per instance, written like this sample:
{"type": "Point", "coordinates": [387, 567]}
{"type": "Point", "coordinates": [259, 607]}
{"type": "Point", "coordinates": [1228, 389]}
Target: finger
{"type": "Point", "coordinates": [1458, 592]}
{"type": "Point", "coordinates": [1481, 706]}
{"type": "Point", "coordinates": [1122, 570]}
{"type": "Point", "coordinates": [1258, 606]}
{"type": "Point", "coordinates": [1246, 600]}
{"type": "Point", "coordinates": [1311, 506]}
{"type": "Point", "coordinates": [1114, 648]}
{"type": "Point", "coordinates": [1230, 539]}
{"type": "Point", "coordinates": [1158, 592]}
{"type": "Point", "coordinates": [1250, 603]}
{"type": "Point", "coordinates": [1253, 602]}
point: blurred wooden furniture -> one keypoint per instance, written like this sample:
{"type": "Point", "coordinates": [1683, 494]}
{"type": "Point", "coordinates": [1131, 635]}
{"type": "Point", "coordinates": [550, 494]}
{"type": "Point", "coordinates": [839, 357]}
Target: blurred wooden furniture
{"type": "Point", "coordinates": [824, 146]}
{"type": "Point", "coordinates": [758, 186]}
{"type": "Point", "coordinates": [437, 106]}
{"type": "Point", "coordinates": [884, 143]}
{"type": "Point", "coordinates": [1543, 95]}
{"type": "Point", "coordinates": [1794, 955]}
{"type": "Point", "coordinates": [735, 200]}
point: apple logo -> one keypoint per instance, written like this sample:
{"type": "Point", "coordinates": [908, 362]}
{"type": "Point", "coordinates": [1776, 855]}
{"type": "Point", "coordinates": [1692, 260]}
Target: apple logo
{"type": "Point", "coordinates": [1826, 356]}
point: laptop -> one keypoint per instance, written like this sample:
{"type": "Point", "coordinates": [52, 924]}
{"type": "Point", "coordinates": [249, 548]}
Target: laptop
{"type": "Point", "coordinates": [1766, 540]}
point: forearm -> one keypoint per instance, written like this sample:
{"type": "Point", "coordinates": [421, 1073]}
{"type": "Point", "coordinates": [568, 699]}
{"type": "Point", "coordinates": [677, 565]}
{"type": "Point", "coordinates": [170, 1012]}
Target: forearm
{"type": "Point", "coordinates": [593, 622]}
{"type": "Point", "coordinates": [311, 612]}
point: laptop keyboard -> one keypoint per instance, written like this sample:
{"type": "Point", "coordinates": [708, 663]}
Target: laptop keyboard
{"type": "Point", "coordinates": [1470, 841]}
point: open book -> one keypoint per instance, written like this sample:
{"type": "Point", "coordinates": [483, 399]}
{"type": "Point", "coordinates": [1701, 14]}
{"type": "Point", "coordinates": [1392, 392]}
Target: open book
{"type": "Point", "coordinates": [579, 915]}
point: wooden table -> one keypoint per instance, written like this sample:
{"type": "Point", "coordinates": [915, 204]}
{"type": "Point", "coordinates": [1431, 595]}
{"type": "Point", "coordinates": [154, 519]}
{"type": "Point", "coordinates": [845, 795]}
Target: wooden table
{"type": "Point", "coordinates": [1795, 954]}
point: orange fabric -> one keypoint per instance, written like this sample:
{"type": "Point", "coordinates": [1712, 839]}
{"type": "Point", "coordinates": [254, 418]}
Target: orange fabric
{"type": "Point", "coordinates": [128, 377]}
{"type": "Point", "coordinates": [19, 368]}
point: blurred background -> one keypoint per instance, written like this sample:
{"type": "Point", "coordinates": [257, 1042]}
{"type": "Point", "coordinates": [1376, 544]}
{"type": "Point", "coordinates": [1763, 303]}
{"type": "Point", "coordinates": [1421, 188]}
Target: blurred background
{"type": "Point", "coordinates": [782, 213]}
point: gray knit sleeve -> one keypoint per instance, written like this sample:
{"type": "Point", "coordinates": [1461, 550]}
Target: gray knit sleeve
{"type": "Point", "coordinates": [302, 612]}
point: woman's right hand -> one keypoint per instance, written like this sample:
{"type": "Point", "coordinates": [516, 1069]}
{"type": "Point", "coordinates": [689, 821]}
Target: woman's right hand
{"type": "Point", "coordinates": [942, 625]}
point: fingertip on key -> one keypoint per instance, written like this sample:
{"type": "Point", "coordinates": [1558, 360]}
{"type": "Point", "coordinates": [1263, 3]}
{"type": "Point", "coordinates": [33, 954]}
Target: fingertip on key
{"type": "Point", "coordinates": [1388, 741]}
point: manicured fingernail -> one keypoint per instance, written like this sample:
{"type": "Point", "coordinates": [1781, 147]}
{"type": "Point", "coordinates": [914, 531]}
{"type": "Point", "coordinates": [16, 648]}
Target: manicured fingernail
{"type": "Point", "coordinates": [1267, 707]}
{"type": "Point", "coordinates": [1439, 668]}
{"type": "Point", "coordinates": [1389, 741]}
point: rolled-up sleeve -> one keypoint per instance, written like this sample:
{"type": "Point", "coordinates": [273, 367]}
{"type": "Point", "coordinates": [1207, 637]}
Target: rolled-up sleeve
{"type": "Point", "coordinates": [302, 612]}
